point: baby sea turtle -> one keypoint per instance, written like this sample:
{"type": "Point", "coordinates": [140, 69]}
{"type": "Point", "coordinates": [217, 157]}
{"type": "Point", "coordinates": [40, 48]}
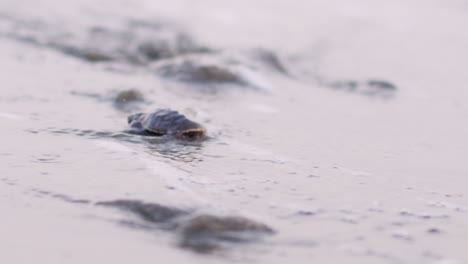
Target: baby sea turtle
{"type": "Point", "coordinates": [165, 122]}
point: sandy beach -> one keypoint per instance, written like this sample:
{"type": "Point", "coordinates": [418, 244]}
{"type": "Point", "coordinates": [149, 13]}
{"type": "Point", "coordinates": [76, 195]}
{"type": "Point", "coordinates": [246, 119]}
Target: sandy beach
{"type": "Point", "coordinates": [341, 126]}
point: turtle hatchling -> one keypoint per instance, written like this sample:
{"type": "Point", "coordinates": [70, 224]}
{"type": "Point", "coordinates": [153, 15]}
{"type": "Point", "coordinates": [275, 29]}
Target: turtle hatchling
{"type": "Point", "coordinates": [166, 123]}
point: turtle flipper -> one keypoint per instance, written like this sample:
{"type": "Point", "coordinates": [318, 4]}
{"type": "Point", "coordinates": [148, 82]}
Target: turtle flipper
{"type": "Point", "coordinates": [134, 117]}
{"type": "Point", "coordinates": [135, 123]}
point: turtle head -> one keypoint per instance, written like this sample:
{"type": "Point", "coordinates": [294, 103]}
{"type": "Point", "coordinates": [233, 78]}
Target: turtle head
{"type": "Point", "coordinates": [189, 130]}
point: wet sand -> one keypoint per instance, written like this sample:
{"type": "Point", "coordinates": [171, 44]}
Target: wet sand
{"type": "Point", "coordinates": [341, 175]}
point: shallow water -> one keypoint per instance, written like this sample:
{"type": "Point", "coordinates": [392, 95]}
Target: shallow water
{"type": "Point", "coordinates": [342, 176]}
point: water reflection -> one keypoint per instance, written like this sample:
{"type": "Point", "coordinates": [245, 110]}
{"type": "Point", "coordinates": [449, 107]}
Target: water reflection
{"type": "Point", "coordinates": [162, 147]}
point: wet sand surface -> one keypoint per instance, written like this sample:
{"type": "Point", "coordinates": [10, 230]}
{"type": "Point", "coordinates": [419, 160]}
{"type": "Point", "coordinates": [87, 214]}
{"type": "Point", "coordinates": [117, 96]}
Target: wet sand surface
{"type": "Point", "coordinates": [344, 144]}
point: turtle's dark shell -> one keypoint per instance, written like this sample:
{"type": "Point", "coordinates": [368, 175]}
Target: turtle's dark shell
{"type": "Point", "coordinates": [164, 122]}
